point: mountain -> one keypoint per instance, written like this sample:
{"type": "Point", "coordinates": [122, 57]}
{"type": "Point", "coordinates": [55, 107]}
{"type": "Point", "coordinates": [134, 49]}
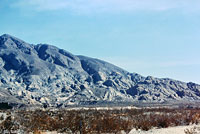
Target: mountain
{"type": "Point", "coordinates": [44, 75]}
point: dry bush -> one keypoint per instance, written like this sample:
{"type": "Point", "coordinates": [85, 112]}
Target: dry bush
{"type": "Point", "coordinates": [194, 130]}
{"type": "Point", "coordinates": [8, 125]}
{"type": "Point", "coordinates": [99, 121]}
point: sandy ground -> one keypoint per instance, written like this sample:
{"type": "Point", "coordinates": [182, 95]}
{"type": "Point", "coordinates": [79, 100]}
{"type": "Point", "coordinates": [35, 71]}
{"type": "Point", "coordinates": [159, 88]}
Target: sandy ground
{"type": "Point", "coordinates": [170, 130]}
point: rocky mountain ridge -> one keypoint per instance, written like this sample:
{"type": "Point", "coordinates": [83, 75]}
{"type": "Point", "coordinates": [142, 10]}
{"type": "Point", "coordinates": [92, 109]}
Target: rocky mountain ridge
{"type": "Point", "coordinates": [38, 75]}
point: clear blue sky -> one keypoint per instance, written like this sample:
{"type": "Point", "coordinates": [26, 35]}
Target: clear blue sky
{"type": "Point", "coordinates": [160, 38]}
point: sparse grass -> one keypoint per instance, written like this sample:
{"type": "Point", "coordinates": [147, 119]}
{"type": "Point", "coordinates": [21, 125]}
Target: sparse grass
{"type": "Point", "coordinates": [98, 121]}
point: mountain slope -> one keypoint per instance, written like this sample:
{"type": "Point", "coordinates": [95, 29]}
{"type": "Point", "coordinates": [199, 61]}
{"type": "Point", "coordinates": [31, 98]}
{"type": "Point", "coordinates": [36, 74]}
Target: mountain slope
{"type": "Point", "coordinates": [46, 75]}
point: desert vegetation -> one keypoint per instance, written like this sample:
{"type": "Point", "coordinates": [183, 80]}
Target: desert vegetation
{"type": "Point", "coordinates": [194, 130]}
{"type": "Point", "coordinates": [93, 121]}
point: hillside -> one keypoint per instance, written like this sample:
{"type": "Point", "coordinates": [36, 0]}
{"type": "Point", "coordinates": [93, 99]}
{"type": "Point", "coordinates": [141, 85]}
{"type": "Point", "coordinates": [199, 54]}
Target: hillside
{"type": "Point", "coordinates": [44, 75]}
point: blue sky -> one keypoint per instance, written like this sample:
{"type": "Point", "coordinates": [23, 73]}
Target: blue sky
{"type": "Point", "coordinates": [160, 38]}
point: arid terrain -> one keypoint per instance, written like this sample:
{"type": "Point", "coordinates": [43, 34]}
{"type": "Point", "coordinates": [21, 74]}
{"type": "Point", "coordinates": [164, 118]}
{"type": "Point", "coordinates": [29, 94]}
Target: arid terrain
{"type": "Point", "coordinates": [100, 120]}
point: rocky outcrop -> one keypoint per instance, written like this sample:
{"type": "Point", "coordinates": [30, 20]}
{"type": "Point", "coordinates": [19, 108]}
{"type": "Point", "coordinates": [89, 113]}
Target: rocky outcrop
{"type": "Point", "coordinates": [37, 75]}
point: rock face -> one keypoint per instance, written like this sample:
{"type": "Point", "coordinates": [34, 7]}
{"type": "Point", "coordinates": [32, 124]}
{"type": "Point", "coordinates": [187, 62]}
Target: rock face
{"type": "Point", "coordinates": [36, 75]}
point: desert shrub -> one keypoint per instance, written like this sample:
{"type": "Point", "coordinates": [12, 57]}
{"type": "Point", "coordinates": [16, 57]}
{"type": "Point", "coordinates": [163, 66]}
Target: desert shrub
{"type": "Point", "coordinates": [8, 125]}
{"type": "Point", "coordinates": [164, 122]}
{"type": "Point", "coordinates": [194, 130]}
{"type": "Point", "coordinates": [98, 121]}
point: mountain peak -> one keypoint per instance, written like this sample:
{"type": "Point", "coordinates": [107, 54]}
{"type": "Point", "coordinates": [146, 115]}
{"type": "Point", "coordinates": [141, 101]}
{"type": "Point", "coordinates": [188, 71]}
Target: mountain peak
{"type": "Point", "coordinates": [9, 41]}
{"type": "Point", "coordinates": [7, 36]}
{"type": "Point", "coordinates": [13, 38]}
